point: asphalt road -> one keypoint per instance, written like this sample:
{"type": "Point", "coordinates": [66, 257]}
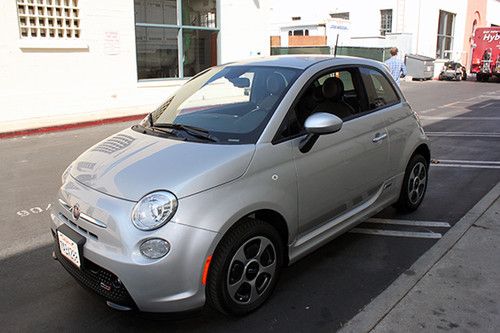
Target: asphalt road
{"type": "Point", "coordinates": [319, 293]}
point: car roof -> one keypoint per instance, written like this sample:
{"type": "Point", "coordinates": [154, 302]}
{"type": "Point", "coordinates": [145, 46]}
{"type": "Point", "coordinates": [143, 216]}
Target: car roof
{"type": "Point", "coordinates": [302, 61]}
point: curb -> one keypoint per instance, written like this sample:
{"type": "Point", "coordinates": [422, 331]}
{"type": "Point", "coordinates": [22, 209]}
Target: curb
{"type": "Point", "coordinates": [67, 127]}
{"type": "Point", "coordinates": [378, 308]}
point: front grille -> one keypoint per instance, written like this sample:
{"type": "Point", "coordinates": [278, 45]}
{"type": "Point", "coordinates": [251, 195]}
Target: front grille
{"type": "Point", "coordinates": [98, 279]}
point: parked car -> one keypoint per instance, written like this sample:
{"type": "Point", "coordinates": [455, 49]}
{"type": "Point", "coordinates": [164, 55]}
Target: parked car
{"type": "Point", "coordinates": [453, 71]}
{"type": "Point", "coordinates": [247, 168]}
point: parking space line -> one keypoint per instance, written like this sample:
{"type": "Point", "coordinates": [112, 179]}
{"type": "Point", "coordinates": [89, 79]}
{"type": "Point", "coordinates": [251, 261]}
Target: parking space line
{"type": "Point", "coordinates": [428, 110]}
{"type": "Point", "coordinates": [464, 134]}
{"type": "Point", "coordinates": [472, 166]}
{"type": "Point", "coordinates": [409, 222]}
{"type": "Point", "coordinates": [486, 105]}
{"type": "Point", "coordinates": [459, 118]}
{"type": "Point", "coordinates": [468, 162]}
{"type": "Point", "coordinates": [396, 233]}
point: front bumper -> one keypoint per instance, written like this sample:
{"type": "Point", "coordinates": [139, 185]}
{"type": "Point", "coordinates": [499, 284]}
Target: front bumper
{"type": "Point", "coordinates": [111, 254]}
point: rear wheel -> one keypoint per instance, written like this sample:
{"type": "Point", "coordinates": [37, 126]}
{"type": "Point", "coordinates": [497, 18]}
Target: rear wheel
{"type": "Point", "coordinates": [414, 184]}
{"type": "Point", "coordinates": [245, 268]}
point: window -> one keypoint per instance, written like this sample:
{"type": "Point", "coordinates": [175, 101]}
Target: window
{"type": "Point", "coordinates": [344, 15]}
{"type": "Point", "coordinates": [323, 95]}
{"type": "Point", "coordinates": [379, 90]}
{"type": "Point", "coordinates": [446, 27]}
{"type": "Point", "coordinates": [295, 18]}
{"type": "Point", "coordinates": [298, 32]}
{"type": "Point", "coordinates": [385, 21]}
{"type": "Point", "coordinates": [233, 103]}
{"type": "Point", "coordinates": [48, 18]}
{"type": "Point", "coordinates": [173, 46]}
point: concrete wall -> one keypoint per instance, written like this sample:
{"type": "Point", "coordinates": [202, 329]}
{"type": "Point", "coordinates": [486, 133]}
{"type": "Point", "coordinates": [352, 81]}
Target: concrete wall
{"type": "Point", "coordinates": [98, 72]}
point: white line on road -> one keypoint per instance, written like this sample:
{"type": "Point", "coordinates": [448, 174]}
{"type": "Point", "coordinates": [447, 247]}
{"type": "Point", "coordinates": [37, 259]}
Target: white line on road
{"type": "Point", "coordinates": [449, 104]}
{"type": "Point", "coordinates": [396, 233]}
{"type": "Point", "coordinates": [464, 134]}
{"type": "Point", "coordinates": [410, 222]}
{"type": "Point", "coordinates": [428, 110]}
{"type": "Point", "coordinates": [459, 118]}
{"type": "Point", "coordinates": [472, 166]}
{"type": "Point", "coordinates": [468, 162]}
{"type": "Point", "coordinates": [486, 105]}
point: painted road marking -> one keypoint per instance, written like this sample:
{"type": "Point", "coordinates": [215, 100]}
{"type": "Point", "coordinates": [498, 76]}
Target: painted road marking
{"type": "Point", "coordinates": [410, 222]}
{"type": "Point", "coordinates": [458, 118]}
{"type": "Point", "coordinates": [464, 134]}
{"type": "Point", "coordinates": [396, 233]}
{"type": "Point", "coordinates": [428, 110]}
{"type": "Point", "coordinates": [472, 166]}
{"type": "Point", "coordinates": [468, 162]}
{"type": "Point", "coordinates": [486, 105]}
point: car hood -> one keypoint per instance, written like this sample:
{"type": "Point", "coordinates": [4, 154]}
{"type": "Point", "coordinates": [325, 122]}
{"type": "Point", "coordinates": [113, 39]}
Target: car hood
{"type": "Point", "coordinates": [129, 165]}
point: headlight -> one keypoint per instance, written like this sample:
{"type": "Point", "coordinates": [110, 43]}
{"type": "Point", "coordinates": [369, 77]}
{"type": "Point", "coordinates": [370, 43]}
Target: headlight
{"type": "Point", "coordinates": [154, 210]}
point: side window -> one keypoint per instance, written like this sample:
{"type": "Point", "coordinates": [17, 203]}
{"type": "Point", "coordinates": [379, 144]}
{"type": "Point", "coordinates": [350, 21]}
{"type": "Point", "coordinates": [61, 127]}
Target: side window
{"type": "Point", "coordinates": [336, 92]}
{"type": "Point", "coordinates": [379, 90]}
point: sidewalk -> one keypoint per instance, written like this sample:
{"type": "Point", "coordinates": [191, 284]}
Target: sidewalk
{"type": "Point", "coordinates": [459, 291]}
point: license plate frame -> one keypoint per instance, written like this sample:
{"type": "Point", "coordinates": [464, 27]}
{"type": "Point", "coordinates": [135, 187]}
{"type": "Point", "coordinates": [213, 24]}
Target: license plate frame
{"type": "Point", "coordinates": [70, 245]}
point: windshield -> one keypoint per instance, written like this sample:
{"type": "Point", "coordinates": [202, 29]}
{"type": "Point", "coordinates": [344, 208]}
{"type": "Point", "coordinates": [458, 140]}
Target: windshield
{"type": "Point", "coordinates": [232, 104]}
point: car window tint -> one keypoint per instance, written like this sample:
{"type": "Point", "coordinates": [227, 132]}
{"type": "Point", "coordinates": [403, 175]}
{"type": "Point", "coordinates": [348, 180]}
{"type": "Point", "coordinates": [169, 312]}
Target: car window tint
{"type": "Point", "coordinates": [379, 90]}
{"type": "Point", "coordinates": [313, 99]}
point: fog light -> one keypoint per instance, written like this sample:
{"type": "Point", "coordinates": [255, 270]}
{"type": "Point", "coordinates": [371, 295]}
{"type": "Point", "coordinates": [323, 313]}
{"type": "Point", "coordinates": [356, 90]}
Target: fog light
{"type": "Point", "coordinates": [155, 248]}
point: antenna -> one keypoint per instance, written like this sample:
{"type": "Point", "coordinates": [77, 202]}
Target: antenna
{"type": "Point", "coordinates": [336, 42]}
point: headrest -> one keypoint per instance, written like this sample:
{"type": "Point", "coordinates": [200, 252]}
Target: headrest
{"type": "Point", "coordinates": [275, 83]}
{"type": "Point", "coordinates": [333, 88]}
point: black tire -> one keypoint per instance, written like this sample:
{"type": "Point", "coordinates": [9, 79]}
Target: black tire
{"type": "Point", "coordinates": [247, 233]}
{"type": "Point", "coordinates": [410, 198]}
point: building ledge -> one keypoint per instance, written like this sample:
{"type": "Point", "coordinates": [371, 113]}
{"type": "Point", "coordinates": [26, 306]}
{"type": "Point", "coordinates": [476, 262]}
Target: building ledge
{"type": "Point", "coordinates": [52, 44]}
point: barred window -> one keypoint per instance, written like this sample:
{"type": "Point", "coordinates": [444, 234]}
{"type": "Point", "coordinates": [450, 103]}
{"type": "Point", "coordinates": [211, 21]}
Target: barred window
{"type": "Point", "coordinates": [48, 19]}
{"type": "Point", "coordinates": [385, 21]}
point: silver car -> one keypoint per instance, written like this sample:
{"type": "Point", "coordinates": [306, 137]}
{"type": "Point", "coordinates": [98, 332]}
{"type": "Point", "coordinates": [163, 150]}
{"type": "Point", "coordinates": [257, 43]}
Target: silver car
{"type": "Point", "coordinates": [249, 167]}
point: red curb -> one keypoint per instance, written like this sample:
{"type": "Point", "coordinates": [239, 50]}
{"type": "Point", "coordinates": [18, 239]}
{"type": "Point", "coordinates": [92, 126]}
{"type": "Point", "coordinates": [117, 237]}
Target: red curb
{"type": "Point", "coordinates": [66, 127]}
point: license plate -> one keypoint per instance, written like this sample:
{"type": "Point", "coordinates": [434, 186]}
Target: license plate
{"type": "Point", "coordinates": [69, 249]}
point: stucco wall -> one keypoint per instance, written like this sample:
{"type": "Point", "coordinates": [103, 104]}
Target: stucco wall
{"type": "Point", "coordinates": [98, 74]}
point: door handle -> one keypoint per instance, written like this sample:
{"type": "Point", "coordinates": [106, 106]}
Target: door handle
{"type": "Point", "coordinates": [379, 137]}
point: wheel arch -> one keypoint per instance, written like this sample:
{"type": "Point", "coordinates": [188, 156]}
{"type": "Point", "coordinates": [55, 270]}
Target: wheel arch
{"type": "Point", "coordinates": [422, 149]}
{"type": "Point", "coordinates": [270, 216]}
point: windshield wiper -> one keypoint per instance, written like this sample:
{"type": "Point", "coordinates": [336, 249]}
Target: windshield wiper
{"type": "Point", "coordinates": [192, 130]}
{"type": "Point", "coordinates": [156, 130]}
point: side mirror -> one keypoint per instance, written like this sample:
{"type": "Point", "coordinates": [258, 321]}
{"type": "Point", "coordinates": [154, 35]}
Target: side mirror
{"type": "Point", "coordinates": [319, 124]}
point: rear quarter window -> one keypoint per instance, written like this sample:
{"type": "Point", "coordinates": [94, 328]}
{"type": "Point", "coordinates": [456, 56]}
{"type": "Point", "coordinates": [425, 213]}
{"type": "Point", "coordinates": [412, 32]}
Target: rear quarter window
{"type": "Point", "coordinates": [379, 89]}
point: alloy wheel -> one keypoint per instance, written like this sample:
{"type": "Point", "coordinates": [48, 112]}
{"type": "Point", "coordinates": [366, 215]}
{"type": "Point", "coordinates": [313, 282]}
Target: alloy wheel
{"type": "Point", "coordinates": [251, 270]}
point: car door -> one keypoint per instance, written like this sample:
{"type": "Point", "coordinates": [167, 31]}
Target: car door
{"type": "Point", "coordinates": [346, 168]}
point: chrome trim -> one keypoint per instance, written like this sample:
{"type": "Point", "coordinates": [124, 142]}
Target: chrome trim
{"type": "Point", "coordinates": [379, 137]}
{"type": "Point", "coordinates": [83, 216]}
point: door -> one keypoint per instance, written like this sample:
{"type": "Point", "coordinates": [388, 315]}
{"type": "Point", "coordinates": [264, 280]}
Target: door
{"type": "Point", "coordinates": [346, 168]}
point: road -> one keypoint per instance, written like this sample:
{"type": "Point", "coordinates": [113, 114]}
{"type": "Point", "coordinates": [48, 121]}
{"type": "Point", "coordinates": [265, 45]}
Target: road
{"type": "Point", "coordinates": [319, 293]}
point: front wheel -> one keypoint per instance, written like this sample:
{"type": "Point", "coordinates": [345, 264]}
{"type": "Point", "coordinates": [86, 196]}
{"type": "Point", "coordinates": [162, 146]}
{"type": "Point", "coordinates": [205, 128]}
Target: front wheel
{"type": "Point", "coordinates": [245, 268]}
{"type": "Point", "coordinates": [414, 184]}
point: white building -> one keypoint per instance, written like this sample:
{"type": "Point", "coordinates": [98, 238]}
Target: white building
{"type": "Point", "coordinates": [435, 28]}
{"type": "Point", "coordinates": [73, 57]}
